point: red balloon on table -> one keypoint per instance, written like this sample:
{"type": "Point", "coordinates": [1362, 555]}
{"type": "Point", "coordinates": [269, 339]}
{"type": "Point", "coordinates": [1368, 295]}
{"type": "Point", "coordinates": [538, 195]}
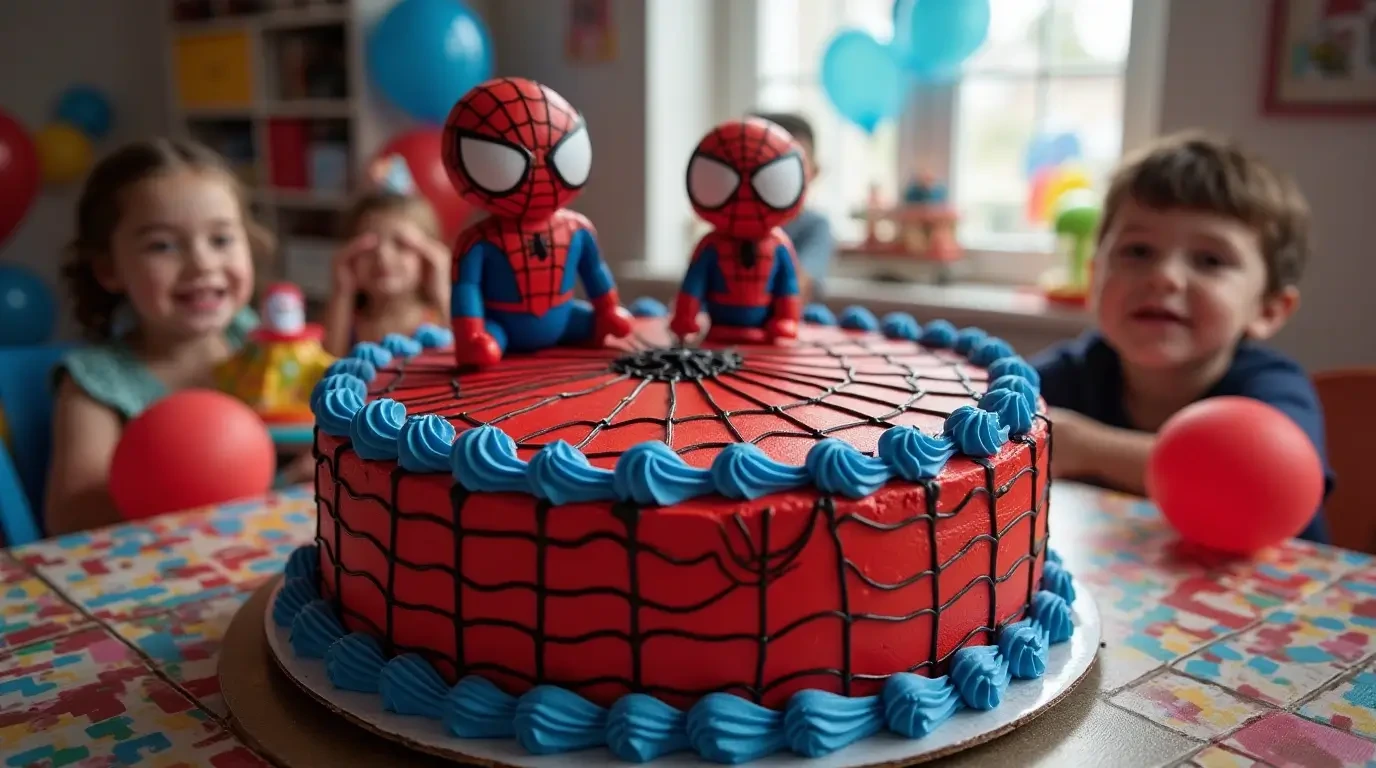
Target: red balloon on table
{"type": "Point", "coordinates": [1235, 474]}
{"type": "Point", "coordinates": [191, 449]}
{"type": "Point", "coordinates": [19, 174]}
{"type": "Point", "coordinates": [423, 153]}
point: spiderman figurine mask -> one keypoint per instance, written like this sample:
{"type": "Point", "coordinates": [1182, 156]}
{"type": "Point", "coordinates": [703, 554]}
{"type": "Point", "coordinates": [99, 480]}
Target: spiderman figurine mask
{"type": "Point", "coordinates": [746, 178]}
{"type": "Point", "coordinates": [518, 151]}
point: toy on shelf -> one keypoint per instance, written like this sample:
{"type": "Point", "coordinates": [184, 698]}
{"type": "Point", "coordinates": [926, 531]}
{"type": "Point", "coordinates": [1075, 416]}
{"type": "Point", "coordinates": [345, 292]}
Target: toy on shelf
{"type": "Point", "coordinates": [518, 151]}
{"type": "Point", "coordinates": [1076, 221]}
{"type": "Point", "coordinates": [919, 229]}
{"type": "Point", "coordinates": [746, 179]}
{"type": "Point", "coordinates": [282, 361]}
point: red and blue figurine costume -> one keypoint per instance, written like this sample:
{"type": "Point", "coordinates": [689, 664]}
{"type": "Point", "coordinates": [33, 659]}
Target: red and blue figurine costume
{"type": "Point", "coordinates": [520, 152]}
{"type": "Point", "coordinates": [746, 179]}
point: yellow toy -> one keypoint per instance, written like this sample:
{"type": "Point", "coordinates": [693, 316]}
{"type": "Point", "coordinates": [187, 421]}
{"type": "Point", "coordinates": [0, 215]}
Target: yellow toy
{"type": "Point", "coordinates": [282, 361]}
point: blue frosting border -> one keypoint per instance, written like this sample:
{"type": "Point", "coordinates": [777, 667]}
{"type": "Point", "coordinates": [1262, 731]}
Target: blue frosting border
{"type": "Point", "coordinates": [720, 727]}
{"type": "Point", "coordinates": [484, 459]}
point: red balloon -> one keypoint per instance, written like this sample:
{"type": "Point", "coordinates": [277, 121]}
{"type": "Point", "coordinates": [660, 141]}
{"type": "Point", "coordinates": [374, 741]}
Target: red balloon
{"type": "Point", "coordinates": [191, 449]}
{"type": "Point", "coordinates": [421, 149]}
{"type": "Point", "coordinates": [19, 174]}
{"type": "Point", "coordinates": [1235, 474]}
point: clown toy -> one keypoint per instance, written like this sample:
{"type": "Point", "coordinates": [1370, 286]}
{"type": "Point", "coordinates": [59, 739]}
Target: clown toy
{"type": "Point", "coordinates": [281, 362]}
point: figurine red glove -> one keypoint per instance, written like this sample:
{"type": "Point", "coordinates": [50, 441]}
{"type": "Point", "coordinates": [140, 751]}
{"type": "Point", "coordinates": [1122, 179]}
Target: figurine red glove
{"type": "Point", "coordinates": [783, 322]}
{"type": "Point", "coordinates": [685, 322]}
{"type": "Point", "coordinates": [473, 345]}
{"type": "Point", "coordinates": [609, 318]}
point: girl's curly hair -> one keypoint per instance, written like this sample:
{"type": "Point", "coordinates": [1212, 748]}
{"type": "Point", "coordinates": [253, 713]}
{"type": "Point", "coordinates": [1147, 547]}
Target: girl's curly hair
{"type": "Point", "coordinates": [99, 209]}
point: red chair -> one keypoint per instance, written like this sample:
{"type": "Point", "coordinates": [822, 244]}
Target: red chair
{"type": "Point", "coordinates": [1347, 395]}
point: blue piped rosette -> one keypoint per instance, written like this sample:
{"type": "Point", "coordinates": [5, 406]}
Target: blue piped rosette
{"type": "Point", "coordinates": [719, 728]}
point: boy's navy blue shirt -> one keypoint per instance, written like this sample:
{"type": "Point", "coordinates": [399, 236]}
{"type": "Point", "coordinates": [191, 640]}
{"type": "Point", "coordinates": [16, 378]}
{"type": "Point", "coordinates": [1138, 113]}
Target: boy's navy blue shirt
{"type": "Point", "coordinates": [1086, 376]}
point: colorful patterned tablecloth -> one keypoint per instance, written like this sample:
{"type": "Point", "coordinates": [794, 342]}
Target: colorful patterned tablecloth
{"type": "Point", "coordinates": [109, 640]}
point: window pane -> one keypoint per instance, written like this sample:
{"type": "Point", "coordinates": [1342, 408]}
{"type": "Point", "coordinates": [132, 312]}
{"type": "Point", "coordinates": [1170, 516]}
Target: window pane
{"type": "Point", "coordinates": [778, 52]}
{"type": "Point", "coordinates": [1090, 33]}
{"type": "Point", "coordinates": [1015, 33]}
{"type": "Point", "coordinates": [1091, 108]}
{"type": "Point", "coordinates": [780, 96]}
{"type": "Point", "coordinates": [994, 125]}
{"type": "Point", "coordinates": [848, 162]}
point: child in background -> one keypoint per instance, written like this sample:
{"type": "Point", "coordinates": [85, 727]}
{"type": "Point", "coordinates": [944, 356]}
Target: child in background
{"type": "Point", "coordinates": [810, 231]}
{"type": "Point", "coordinates": [161, 271]}
{"type": "Point", "coordinates": [392, 276]}
{"type": "Point", "coordinates": [1200, 255]}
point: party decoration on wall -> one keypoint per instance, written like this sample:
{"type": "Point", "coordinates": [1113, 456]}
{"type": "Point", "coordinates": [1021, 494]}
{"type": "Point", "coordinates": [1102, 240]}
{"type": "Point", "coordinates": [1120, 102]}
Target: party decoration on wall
{"type": "Point", "coordinates": [413, 163]}
{"type": "Point", "coordinates": [426, 54]}
{"type": "Point", "coordinates": [862, 79]}
{"type": "Point", "coordinates": [87, 110]}
{"type": "Point", "coordinates": [19, 174]}
{"type": "Point", "coordinates": [932, 38]}
{"type": "Point", "coordinates": [27, 308]}
{"type": "Point", "coordinates": [82, 115]}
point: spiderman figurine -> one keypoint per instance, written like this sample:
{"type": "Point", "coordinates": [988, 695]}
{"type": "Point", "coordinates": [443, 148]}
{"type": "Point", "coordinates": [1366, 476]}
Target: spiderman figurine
{"type": "Point", "coordinates": [746, 178]}
{"type": "Point", "coordinates": [520, 152]}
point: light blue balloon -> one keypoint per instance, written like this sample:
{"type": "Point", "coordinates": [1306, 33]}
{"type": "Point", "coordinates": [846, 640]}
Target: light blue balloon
{"type": "Point", "coordinates": [933, 37]}
{"type": "Point", "coordinates": [862, 79]}
{"type": "Point", "coordinates": [27, 308]}
{"type": "Point", "coordinates": [87, 109]}
{"type": "Point", "coordinates": [426, 54]}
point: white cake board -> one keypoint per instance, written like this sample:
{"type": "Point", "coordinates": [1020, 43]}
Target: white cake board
{"type": "Point", "coordinates": [1067, 664]}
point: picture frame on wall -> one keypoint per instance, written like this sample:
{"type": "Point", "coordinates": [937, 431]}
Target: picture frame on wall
{"type": "Point", "coordinates": [1321, 58]}
{"type": "Point", "coordinates": [591, 37]}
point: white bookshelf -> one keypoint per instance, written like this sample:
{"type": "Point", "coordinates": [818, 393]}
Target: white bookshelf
{"type": "Point", "coordinates": [301, 215]}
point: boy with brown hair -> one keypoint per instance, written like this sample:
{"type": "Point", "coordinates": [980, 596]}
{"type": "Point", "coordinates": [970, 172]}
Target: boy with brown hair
{"type": "Point", "coordinates": [810, 231]}
{"type": "Point", "coordinates": [1200, 254]}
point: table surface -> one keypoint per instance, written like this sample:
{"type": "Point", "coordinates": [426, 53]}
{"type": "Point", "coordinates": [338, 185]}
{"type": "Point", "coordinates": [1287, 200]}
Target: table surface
{"type": "Point", "coordinates": [109, 643]}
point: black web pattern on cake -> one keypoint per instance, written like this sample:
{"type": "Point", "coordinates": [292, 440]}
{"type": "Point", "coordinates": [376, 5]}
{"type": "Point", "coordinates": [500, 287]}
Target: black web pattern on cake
{"type": "Point", "coordinates": [820, 388]}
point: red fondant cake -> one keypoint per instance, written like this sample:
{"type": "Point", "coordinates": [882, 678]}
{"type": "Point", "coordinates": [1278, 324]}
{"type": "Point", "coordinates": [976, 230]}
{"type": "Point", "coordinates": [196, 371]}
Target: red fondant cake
{"type": "Point", "coordinates": [796, 589]}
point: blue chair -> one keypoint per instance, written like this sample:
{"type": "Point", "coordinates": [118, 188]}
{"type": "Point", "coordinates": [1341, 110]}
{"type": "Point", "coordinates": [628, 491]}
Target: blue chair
{"type": "Point", "coordinates": [26, 395]}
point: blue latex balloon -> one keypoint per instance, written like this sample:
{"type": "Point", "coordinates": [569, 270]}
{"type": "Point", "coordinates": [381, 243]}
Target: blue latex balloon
{"type": "Point", "coordinates": [87, 109]}
{"type": "Point", "coordinates": [27, 309]}
{"type": "Point", "coordinates": [933, 37]}
{"type": "Point", "coordinates": [426, 54]}
{"type": "Point", "coordinates": [862, 79]}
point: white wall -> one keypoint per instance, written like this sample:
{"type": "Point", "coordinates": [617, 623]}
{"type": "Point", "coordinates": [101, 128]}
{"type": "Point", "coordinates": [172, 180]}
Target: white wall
{"type": "Point", "coordinates": [1214, 68]}
{"type": "Point", "coordinates": [47, 45]}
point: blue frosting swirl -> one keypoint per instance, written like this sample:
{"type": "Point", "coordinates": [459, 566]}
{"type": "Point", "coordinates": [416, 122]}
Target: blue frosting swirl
{"type": "Point", "coordinates": [1053, 613]}
{"type": "Point", "coordinates": [424, 443]}
{"type": "Point", "coordinates": [432, 336]}
{"type": "Point", "coordinates": [857, 318]}
{"type": "Point", "coordinates": [1015, 366]}
{"type": "Point", "coordinates": [410, 686]}
{"type": "Point", "coordinates": [838, 467]}
{"type": "Point", "coordinates": [353, 367]}
{"type": "Point", "coordinates": [991, 349]}
{"type": "Point", "coordinates": [969, 338]}
{"type": "Point", "coordinates": [648, 307]}
{"type": "Point", "coordinates": [642, 728]}
{"type": "Point", "coordinates": [980, 675]}
{"type": "Point", "coordinates": [901, 325]}
{"type": "Point", "coordinates": [354, 663]}
{"type": "Point", "coordinates": [484, 459]}
{"type": "Point", "coordinates": [337, 381]}
{"type": "Point", "coordinates": [913, 454]}
{"type": "Point", "coordinates": [314, 629]}
{"type": "Point", "coordinates": [562, 474]}
{"type": "Point", "coordinates": [818, 723]}
{"type": "Point", "coordinates": [914, 706]}
{"type": "Point", "coordinates": [478, 709]}
{"type": "Point", "coordinates": [550, 720]}
{"type": "Point", "coordinates": [1017, 384]}
{"type": "Point", "coordinates": [375, 354]}
{"type": "Point", "coordinates": [1024, 645]}
{"type": "Point", "coordinates": [818, 314]}
{"type": "Point", "coordinates": [304, 562]}
{"type": "Point", "coordinates": [400, 345]}
{"type": "Point", "coordinates": [1052, 556]}
{"type": "Point", "coordinates": [728, 729]}
{"type": "Point", "coordinates": [976, 432]}
{"type": "Point", "coordinates": [651, 473]}
{"type": "Point", "coordinates": [336, 411]}
{"type": "Point", "coordinates": [744, 471]}
{"type": "Point", "coordinates": [295, 595]}
{"type": "Point", "coordinates": [1012, 408]}
{"type": "Point", "coordinates": [1057, 579]}
{"type": "Point", "coordinates": [375, 429]}
{"type": "Point", "coordinates": [938, 334]}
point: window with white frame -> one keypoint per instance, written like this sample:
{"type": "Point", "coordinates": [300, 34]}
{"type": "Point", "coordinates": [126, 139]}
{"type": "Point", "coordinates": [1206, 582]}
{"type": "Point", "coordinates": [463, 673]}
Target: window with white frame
{"type": "Point", "coordinates": [1049, 68]}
